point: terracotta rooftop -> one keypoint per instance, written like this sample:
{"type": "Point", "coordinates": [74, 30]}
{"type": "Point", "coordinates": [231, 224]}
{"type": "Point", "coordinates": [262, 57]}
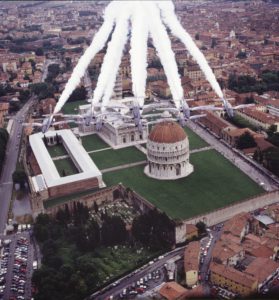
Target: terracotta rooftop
{"type": "Point", "coordinates": [172, 290]}
{"type": "Point", "coordinates": [260, 116]}
{"type": "Point", "coordinates": [218, 121]}
{"type": "Point", "coordinates": [233, 275]}
{"type": "Point", "coordinates": [191, 256]}
{"type": "Point", "coordinates": [167, 132]}
{"type": "Point", "coordinates": [261, 268]}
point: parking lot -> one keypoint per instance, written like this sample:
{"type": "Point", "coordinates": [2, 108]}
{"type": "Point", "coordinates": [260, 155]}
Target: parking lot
{"type": "Point", "coordinates": [145, 283]}
{"type": "Point", "coordinates": [16, 267]}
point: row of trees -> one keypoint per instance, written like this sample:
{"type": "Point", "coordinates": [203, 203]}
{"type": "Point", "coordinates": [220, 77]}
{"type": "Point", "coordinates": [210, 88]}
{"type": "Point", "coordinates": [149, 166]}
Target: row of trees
{"type": "Point", "coordinates": [153, 229]}
{"type": "Point", "coordinates": [269, 158]}
{"type": "Point", "coordinates": [70, 244]}
{"type": "Point", "coordinates": [43, 90]}
{"type": "Point", "coordinates": [245, 83]}
{"type": "Point", "coordinates": [4, 137]}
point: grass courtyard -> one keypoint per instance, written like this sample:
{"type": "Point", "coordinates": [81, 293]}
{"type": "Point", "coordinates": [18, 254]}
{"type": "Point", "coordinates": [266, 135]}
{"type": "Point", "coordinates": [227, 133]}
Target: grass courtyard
{"type": "Point", "coordinates": [57, 150]}
{"type": "Point", "coordinates": [214, 183]}
{"type": "Point", "coordinates": [195, 142]}
{"type": "Point", "coordinates": [112, 158]}
{"type": "Point", "coordinates": [65, 167]}
{"type": "Point", "coordinates": [72, 107]}
{"type": "Point", "coordinates": [93, 142]}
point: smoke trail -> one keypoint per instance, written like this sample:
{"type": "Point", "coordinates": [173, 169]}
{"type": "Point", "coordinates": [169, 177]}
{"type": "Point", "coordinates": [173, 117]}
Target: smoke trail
{"type": "Point", "coordinates": [112, 59]}
{"type": "Point", "coordinates": [162, 43]}
{"type": "Point", "coordinates": [97, 44]}
{"type": "Point", "coordinates": [138, 52]}
{"type": "Point", "coordinates": [170, 19]}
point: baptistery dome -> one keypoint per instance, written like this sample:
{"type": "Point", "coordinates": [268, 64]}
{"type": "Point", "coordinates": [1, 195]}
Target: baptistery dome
{"type": "Point", "coordinates": [168, 152]}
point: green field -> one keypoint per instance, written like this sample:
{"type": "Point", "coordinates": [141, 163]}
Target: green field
{"type": "Point", "coordinates": [108, 261]}
{"type": "Point", "coordinates": [57, 150]}
{"type": "Point", "coordinates": [72, 107]}
{"type": "Point", "coordinates": [195, 142]}
{"type": "Point", "coordinates": [93, 142]}
{"type": "Point", "coordinates": [67, 165]}
{"type": "Point", "coordinates": [112, 158]}
{"type": "Point", "coordinates": [214, 183]}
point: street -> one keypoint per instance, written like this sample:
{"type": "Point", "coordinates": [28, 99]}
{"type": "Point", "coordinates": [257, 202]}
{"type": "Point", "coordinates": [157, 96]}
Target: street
{"type": "Point", "coordinates": [6, 182]}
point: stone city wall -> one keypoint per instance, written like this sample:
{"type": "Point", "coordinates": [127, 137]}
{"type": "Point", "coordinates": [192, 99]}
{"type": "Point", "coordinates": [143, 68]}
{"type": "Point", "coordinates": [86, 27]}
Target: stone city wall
{"type": "Point", "coordinates": [225, 213]}
{"type": "Point", "coordinates": [106, 195]}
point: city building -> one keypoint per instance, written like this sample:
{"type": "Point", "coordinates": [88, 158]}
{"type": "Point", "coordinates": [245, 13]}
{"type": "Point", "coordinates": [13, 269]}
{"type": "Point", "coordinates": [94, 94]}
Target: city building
{"type": "Point", "coordinates": [260, 119]}
{"type": "Point", "coordinates": [172, 291]}
{"type": "Point", "coordinates": [46, 181]}
{"type": "Point", "coordinates": [114, 130]}
{"type": "Point", "coordinates": [168, 152]}
{"type": "Point", "coordinates": [191, 263]}
{"type": "Point", "coordinates": [232, 279]}
{"type": "Point", "coordinates": [4, 108]}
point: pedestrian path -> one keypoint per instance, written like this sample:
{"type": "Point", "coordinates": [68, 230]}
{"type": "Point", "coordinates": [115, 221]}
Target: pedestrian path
{"type": "Point", "coordinates": [201, 149]}
{"type": "Point", "coordinates": [67, 156]}
{"type": "Point", "coordinates": [141, 148]}
{"type": "Point", "coordinates": [99, 150]}
{"type": "Point", "coordinates": [124, 166]}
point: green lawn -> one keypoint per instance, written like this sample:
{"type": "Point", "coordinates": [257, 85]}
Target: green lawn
{"type": "Point", "coordinates": [56, 150]}
{"type": "Point", "coordinates": [108, 261]}
{"type": "Point", "coordinates": [214, 183]}
{"type": "Point", "coordinates": [112, 158]}
{"type": "Point", "coordinates": [72, 107]}
{"type": "Point", "coordinates": [93, 142]}
{"type": "Point", "coordinates": [195, 142]}
{"type": "Point", "coordinates": [67, 165]}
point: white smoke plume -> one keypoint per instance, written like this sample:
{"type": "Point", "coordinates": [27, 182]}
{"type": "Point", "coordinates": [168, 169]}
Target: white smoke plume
{"type": "Point", "coordinates": [138, 52]}
{"type": "Point", "coordinates": [97, 44]}
{"type": "Point", "coordinates": [112, 59]}
{"type": "Point", "coordinates": [163, 45]}
{"type": "Point", "coordinates": [170, 19]}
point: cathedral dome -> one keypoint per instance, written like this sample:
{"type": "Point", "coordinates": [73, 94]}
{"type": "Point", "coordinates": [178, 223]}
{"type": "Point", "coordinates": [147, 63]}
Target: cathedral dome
{"type": "Point", "coordinates": [167, 151]}
{"type": "Point", "coordinates": [167, 132]}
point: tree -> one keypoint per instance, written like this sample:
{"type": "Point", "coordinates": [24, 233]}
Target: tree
{"type": "Point", "coordinates": [201, 227]}
{"type": "Point", "coordinates": [93, 234]}
{"type": "Point", "coordinates": [19, 176]}
{"type": "Point", "coordinates": [249, 100]}
{"type": "Point", "coordinates": [43, 90]}
{"type": "Point", "coordinates": [41, 232]}
{"type": "Point", "coordinates": [271, 160]}
{"type": "Point", "coordinates": [271, 130]}
{"type": "Point", "coordinates": [113, 231]}
{"type": "Point", "coordinates": [154, 229]}
{"type": "Point", "coordinates": [78, 94]}
{"type": "Point", "coordinates": [96, 208]}
{"type": "Point", "coordinates": [213, 43]}
{"type": "Point", "coordinates": [24, 95]}
{"type": "Point", "coordinates": [246, 140]}
{"type": "Point", "coordinates": [39, 52]}
{"type": "Point", "coordinates": [241, 55]}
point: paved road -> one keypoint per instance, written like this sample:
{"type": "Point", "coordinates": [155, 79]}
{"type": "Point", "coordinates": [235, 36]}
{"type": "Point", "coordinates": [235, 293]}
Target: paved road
{"type": "Point", "coordinates": [88, 85]}
{"type": "Point", "coordinates": [215, 234]}
{"type": "Point", "coordinates": [136, 275]}
{"type": "Point", "coordinates": [6, 184]}
{"type": "Point", "coordinates": [249, 167]}
{"type": "Point", "coordinates": [48, 62]}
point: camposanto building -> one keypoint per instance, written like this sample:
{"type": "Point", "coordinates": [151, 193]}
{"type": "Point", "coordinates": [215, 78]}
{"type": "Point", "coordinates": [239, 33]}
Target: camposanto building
{"type": "Point", "coordinates": [168, 152]}
{"type": "Point", "coordinates": [46, 181]}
